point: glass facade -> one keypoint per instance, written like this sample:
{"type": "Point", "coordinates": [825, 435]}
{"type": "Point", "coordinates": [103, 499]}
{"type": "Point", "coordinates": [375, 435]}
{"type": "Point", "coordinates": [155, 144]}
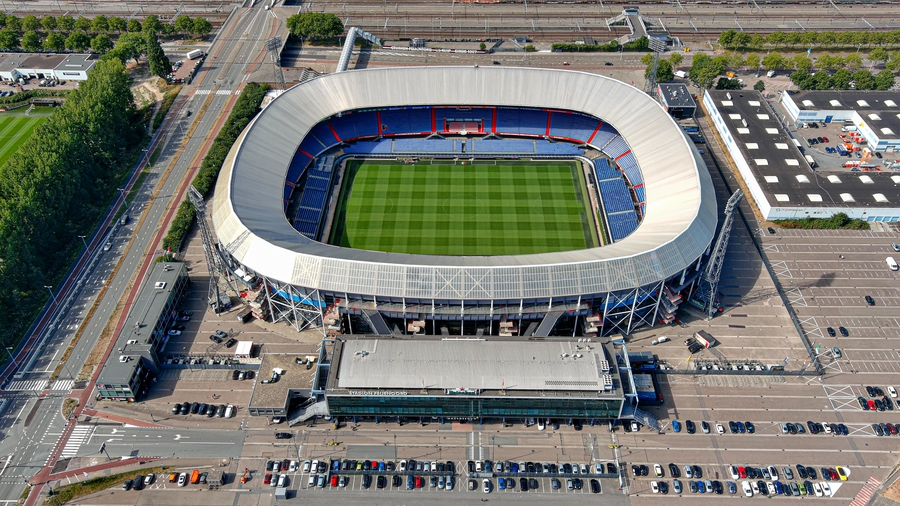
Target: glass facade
{"type": "Point", "coordinates": [473, 406]}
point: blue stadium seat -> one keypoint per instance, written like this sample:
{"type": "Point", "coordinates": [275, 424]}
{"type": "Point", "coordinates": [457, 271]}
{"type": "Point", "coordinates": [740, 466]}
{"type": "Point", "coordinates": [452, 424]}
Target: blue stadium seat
{"type": "Point", "coordinates": [312, 146]}
{"type": "Point", "coordinates": [442, 114]}
{"type": "Point", "coordinates": [521, 121]}
{"type": "Point", "coordinates": [297, 166]}
{"type": "Point", "coordinates": [616, 147]}
{"type": "Point", "coordinates": [557, 148]}
{"type": "Point", "coordinates": [513, 146]}
{"type": "Point", "coordinates": [622, 224]}
{"type": "Point", "coordinates": [630, 167]}
{"type": "Point", "coordinates": [369, 147]}
{"type": "Point", "coordinates": [355, 125]}
{"type": "Point", "coordinates": [406, 121]}
{"type": "Point", "coordinates": [288, 191]}
{"type": "Point", "coordinates": [641, 193]}
{"type": "Point", "coordinates": [604, 171]}
{"type": "Point", "coordinates": [616, 196]}
{"type": "Point", "coordinates": [323, 133]}
{"type": "Point", "coordinates": [561, 125]}
{"type": "Point", "coordinates": [419, 146]}
{"type": "Point", "coordinates": [583, 126]}
{"type": "Point", "coordinates": [603, 136]}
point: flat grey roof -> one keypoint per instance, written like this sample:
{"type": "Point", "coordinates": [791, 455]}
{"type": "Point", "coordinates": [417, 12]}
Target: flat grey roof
{"type": "Point", "coordinates": [43, 61]}
{"type": "Point", "coordinates": [12, 61]}
{"type": "Point", "coordinates": [275, 395]}
{"type": "Point", "coordinates": [508, 366]}
{"type": "Point", "coordinates": [676, 95]}
{"type": "Point", "coordinates": [140, 322]}
{"type": "Point", "coordinates": [77, 62]}
{"type": "Point", "coordinates": [680, 220]}
{"type": "Point", "coordinates": [782, 171]}
{"type": "Point", "coordinates": [880, 109]}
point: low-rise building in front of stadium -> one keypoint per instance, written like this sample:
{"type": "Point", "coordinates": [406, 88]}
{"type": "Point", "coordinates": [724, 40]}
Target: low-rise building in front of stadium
{"type": "Point", "coordinates": [66, 67]}
{"type": "Point", "coordinates": [677, 100]}
{"type": "Point", "coordinates": [136, 356]}
{"type": "Point", "coordinates": [875, 114]}
{"type": "Point", "coordinates": [782, 180]}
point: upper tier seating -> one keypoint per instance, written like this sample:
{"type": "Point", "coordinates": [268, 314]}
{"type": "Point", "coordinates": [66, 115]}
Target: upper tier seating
{"type": "Point", "coordinates": [521, 121]}
{"type": "Point", "coordinates": [406, 121]}
{"type": "Point", "coordinates": [355, 125]}
{"type": "Point", "coordinates": [616, 196]}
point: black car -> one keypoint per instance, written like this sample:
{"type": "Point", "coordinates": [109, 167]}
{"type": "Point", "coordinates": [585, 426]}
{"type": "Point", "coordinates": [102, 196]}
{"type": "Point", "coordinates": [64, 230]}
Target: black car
{"type": "Point", "coordinates": [879, 392]}
{"type": "Point", "coordinates": [644, 470]}
{"type": "Point", "coordinates": [595, 486]}
{"type": "Point", "coordinates": [185, 408]}
{"type": "Point", "coordinates": [201, 410]}
{"type": "Point", "coordinates": [611, 468]}
{"type": "Point", "coordinates": [750, 428]}
{"type": "Point", "coordinates": [732, 427]}
{"type": "Point", "coordinates": [176, 409]}
{"type": "Point", "coordinates": [195, 407]}
{"type": "Point", "coordinates": [869, 300]}
{"type": "Point", "coordinates": [576, 424]}
{"type": "Point", "coordinates": [771, 230]}
{"type": "Point", "coordinates": [283, 435]}
{"type": "Point", "coordinates": [367, 481]}
{"type": "Point", "coordinates": [879, 405]}
{"type": "Point", "coordinates": [717, 487]}
{"type": "Point", "coordinates": [635, 470]}
{"type": "Point", "coordinates": [235, 374]}
{"type": "Point", "coordinates": [878, 430]}
{"type": "Point", "coordinates": [178, 327]}
{"type": "Point", "coordinates": [232, 342]}
{"type": "Point", "coordinates": [138, 482]}
{"type": "Point", "coordinates": [215, 339]}
{"type": "Point", "coordinates": [843, 332]}
{"type": "Point", "coordinates": [578, 483]}
{"type": "Point", "coordinates": [471, 466]}
{"type": "Point", "coordinates": [831, 332]}
{"type": "Point", "coordinates": [673, 470]}
{"type": "Point", "coordinates": [608, 64]}
{"type": "Point", "coordinates": [211, 410]}
{"type": "Point", "coordinates": [689, 425]}
{"type": "Point", "coordinates": [862, 403]}
{"type": "Point", "coordinates": [811, 473]}
{"type": "Point", "coordinates": [870, 391]}
{"type": "Point", "coordinates": [698, 473]}
{"type": "Point", "coordinates": [127, 485]}
{"type": "Point", "coordinates": [663, 487]}
{"type": "Point", "coordinates": [532, 483]}
{"type": "Point", "coordinates": [523, 484]}
{"type": "Point", "coordinates": [812, 427]}
{"type": "Point", "coordinates": [801, 470]}
{"type": "Point", "coordinates": [792, 428]}
{"type": "Point", "coordinates": [888, 404]}
{"type": "Point", "coordinates": [567, 468]}
{"type": "Point", "coordinates": [396, 481]}
{"type": "Point", "coordinates": [381, 483]}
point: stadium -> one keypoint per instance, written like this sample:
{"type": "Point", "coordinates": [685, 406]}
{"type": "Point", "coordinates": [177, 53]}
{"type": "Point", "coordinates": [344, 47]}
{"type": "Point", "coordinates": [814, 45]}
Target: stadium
{"type": "Point", "coordinates": [465, 201]}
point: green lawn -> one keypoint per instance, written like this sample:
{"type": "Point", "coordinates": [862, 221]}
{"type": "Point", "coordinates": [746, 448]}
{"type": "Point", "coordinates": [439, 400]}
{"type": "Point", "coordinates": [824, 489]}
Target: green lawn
{"type": "Point", "coordinates": [492, 208]}
{"type": "Point", "coordinates": [16, 128]}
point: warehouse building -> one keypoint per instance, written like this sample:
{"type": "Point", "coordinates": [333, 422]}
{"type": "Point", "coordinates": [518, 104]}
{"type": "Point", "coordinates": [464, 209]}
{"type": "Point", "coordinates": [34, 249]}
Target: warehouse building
{"type": "Point", "coordinates": [65, 67]}
{"type": "Point", "coordinates": [875, 114]}
{"type": "Point", "coordinates": [136, 358]}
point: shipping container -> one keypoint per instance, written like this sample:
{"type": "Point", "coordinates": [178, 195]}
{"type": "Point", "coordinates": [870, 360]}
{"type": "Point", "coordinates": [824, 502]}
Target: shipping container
{"type": "Point", "coordinates": [705, 339]}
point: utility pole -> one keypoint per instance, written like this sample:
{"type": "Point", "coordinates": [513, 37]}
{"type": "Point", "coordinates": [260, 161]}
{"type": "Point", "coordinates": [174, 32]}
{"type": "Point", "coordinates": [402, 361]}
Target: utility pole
{"type": "Point", "coordinates": [50, 289]}
{"type": "Point", "coordinates": [17, 364]}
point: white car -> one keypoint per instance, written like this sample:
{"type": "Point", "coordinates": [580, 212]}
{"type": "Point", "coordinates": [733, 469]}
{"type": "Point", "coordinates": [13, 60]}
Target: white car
{"type": "Point", "coordinates": [826, 488]}
{"type": "Point", "coordinates": [754, 487]}
{"type": "Point", "coordinates": [434, 467]}
{"type": "Point", "coordinates": [182, 479]}
{"type": "Point", "coordinates": [720, 429]}
{"type": "Point", "coordinates": [748, 490]}
{"type": "Point", "coordinates": [315, 466]}
{"type": "Point", "coordinates": [892, 392]}
{"type": "Point", "coordinates": [402, 466]}
{"type": "Point", "coordinates": [827, 427]}
{"type": "Point", "coordinates": [478, 466]}
{"type": "Point", "coordinates": [584, 469]}
{"type": "Point", "coordinates": [635, 427]}
{"type": "Point", "coordinates": [574, 468]}
{"type": "Point", "coordinates": [541, 424]}
{"type": "Point", "coordinates": [654, 487]}
{"type": "Point", "coordinates": [688, 472]}
{"type": "Point", "coordinates": [818, 490]}
{"type": "Point", "coordinates": [732, 470]}
{"type": "Point", "coordinates": [771, 487]}
{"type": "Point", "coordinates": [486, 486]}
{"type": "Point", "coordinates": [174, 333]}
{"type": "Point", "coordinates": [293, 467]}
{"type": "Point", "coordinates": [312, 481]}
{"type": "Point", "coordinates": [773, 472]}
{"type": "Point", "coordinates": [306, 465]}
{"type": "Point", "coordinates": [657, 469]}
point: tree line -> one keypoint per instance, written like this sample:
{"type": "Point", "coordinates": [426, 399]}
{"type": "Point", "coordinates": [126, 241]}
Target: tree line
{"type": "Point", "coordinates": [641, 44]}
{"type": "Point", "coordinates": [58, 33]}
{"type": "Point", "coordinates": [245, 108]}
{"type": "Point", "coordinates": [58, 185]}
{"type": "Point", "coordinates": [733, 39]}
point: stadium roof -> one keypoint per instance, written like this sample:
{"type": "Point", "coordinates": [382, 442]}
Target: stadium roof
{"type": "Point", "coordinates": [474, 365]}
{"type": "Point", "coordinates": [680, 214]}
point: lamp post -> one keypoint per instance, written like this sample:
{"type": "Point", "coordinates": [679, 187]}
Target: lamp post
{"type": "Point", "coordinates": [151, 414]}
{"type": "Point", "coordinates": [11, 357]}
{"type": "Point", "coordinates": [82, 237]}
{"type": "Point", "coordinates": [122, 191]}
{"type": "Point", "coordinates": [50, 289]}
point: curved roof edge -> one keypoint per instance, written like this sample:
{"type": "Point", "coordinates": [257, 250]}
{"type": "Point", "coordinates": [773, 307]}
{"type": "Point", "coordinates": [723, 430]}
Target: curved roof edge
{"type": "Point", "coordinates": [679, 225]}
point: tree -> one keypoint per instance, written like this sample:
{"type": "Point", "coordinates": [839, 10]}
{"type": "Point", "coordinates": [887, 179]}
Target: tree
{"type": "Point", "coordinates": [647, 59]}
{"type": "Point", "coordinates": [893, 62]}
{"type": "Point", "coordinates": [884, 80]}
{"type": "Point", "coordinates": [853, 61]}
{"type": "Point", "coordinates": [30, 23]}
{"type": "Point", "coordinates": [482, 46]}
{"type": "Point", "coordinates": [55, 42]}
{"type": "Point", "coordinates": [13, 23]}
{"type": "Point", "coordinates": [878, 55]}
{"type": "Point", "coordinates": [65, 23]}
{"type": "Point", "coordinates": [83, 24]}
{"type": "Point", "coordinates": [735, 61]}
{"type": "Point", "coordinates": [704, 71]}
{"type": "Point", "coordinates": [759, 86]}
{"type": "Point", "coordinates": [101, 43]}
{"type": "Point", "coordinates": [822, 80]}
{"type": "Point", "coordinates": [49, 23]}
{"type": "Point", "coordinates": [773, 61]}
{"type": "Point", "coordinates": [752, 60]}
{"type": "Point", "coordinates": [676, 59]}
{"type": "Point", "coordinates": [9, 40]}
{"type": "Point", "coordinates": [841, 79]}
{"type": "Point", "coordinates": [78, 41]}
{"type": "Point", "coordinates": [726, 38]}
{"type": "Point", "coordinates": [100, 24]}
{"type": "Point", "coordinates": [315, 25]}
{"type": "Point", "coordinates": [830, 62]}
{"type": "Point", "coordinates": [202, 27]}
{"type": "Point", "coordinates": [159, 63]}
{"type": "Point", "coordinates": [802, 62]}
{"type": "Point", "coordinates": [134, 26]}
{"type": "Point", "coordinates": [151, 25]}
{"type": "Point", "coordinates": [117, 24]}
{"type": "Point", "coordinates": [184, 24]}
{"type": "Point", "coordinates": [725, 83]}
{"type": "Point", "coordinates": [864, 80]}
{"type": "Point", "coordinates": [664, 71]}
{"type": "Point", "coordinates": [31, 42]}
{"type": "Point", "coordinates": [803, 79]}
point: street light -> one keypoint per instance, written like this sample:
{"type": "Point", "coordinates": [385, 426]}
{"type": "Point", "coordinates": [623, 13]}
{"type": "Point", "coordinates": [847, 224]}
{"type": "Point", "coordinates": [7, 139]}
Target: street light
{"type": "Point", "coordinates": [11, 357]}
{"type": "Point", "coordinates": [151, 414]}
{"type": "Point", "coordinates": [82, 237]}
{"type": "Point", "coordinates": [50, 289]}
{"type": "Point", "coordinates": [123, 191]}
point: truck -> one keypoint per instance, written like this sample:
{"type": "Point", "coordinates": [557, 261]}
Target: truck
{"type": "Point", "coordinates": [730, 75]}
{"type": "Point", "coordinates": [892, 264]}
{"type": "Point", "coordinates": [770, 73]}
{"type": "Point", "coordinates": [703, 337]}
{"type": "Point", "coordinates": [841, 150]}
{"type": "Point", "coordinates": [680, 73]}
{"type": "Point", "coordinates": [194, 54]}
{"type": "Point", "coordinates": [812, 163]}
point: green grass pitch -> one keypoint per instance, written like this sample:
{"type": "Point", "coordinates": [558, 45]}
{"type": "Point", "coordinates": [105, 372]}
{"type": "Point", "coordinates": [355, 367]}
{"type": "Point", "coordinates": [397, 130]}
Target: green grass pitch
{"type": "Point", "coordinates": [15, 129]}
{"type": "Point", "coordinates": [442, 208]}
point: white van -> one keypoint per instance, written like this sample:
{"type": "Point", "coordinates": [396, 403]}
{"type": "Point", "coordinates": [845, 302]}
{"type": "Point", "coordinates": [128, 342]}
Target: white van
{"type": "Point", "coordinates": [892, 264]}
{"type": "Point", "coordinates": [229, 411]}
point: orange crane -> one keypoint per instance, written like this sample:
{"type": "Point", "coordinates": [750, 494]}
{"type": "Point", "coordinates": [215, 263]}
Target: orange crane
{"type": "Point", "coordinates": [246, 477]}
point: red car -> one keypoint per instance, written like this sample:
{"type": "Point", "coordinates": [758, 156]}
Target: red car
{"type": "Point", "coordinates": [871, 405]}
{"type": "Point", "coordinates": [833, 473]}
{"type": "Point", "coordinates": [420, 482]}
{"type": "Point", "coordinates": [334, 480]}
{"type": "Point", "coordinates": [268, 479]}
{"type": "Point", "coordinates": [742, 472]}
{"type": "Point", "coordinates": [825, 139]}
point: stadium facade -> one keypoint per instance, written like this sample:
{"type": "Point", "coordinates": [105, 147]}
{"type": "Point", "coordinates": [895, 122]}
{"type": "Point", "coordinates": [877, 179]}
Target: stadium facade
{"type": "Point", "coordinates": [276, 189]}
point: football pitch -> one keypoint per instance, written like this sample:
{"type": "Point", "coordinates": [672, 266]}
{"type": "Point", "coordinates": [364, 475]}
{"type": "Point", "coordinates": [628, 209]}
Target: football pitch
{"type": "Point", "coordinates": [15, 129]}
{"type": "Point", "coordinates": [445, 208]}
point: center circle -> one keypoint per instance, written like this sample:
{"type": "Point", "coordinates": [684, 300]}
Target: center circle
{"type": "Point", "coordinates": [465, 205]}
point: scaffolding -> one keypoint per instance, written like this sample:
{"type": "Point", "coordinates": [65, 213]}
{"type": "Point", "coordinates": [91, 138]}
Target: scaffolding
{"type": "Point", "coordinates": [220, 284]}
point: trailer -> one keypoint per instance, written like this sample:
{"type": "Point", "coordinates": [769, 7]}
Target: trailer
{"type": "Point", "coordinates": [841, 150]}
{"type": "Point", "coordinates": [703, 337]}
{"type": "Point", "coordinates": [194, 54]}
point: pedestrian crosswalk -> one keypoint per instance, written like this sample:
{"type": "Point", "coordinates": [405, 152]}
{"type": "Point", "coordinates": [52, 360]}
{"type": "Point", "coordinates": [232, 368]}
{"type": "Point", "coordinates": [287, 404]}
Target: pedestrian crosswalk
{"type": "Point", "coordinates": [223, 92]}
{"type": "Point", "coordinates": [63, 385]}
{"type": "Point", "coordinates": [862, 498]}
{"type": "Point", "coordinates": [218, 92]}
{"type": "Point", "coordinates": [80, 434]}
{"type": "Point", "coordinates": [202, 92]}
{"type": "Point", "coordinates": [27, 385]}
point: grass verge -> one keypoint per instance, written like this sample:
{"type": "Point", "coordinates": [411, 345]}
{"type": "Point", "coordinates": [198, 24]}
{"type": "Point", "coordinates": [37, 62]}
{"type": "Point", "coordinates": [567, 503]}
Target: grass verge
{"type": "Point", "coordinates": [68, 493]}
{"type": "Point", "coordinates": [68, 407]}
{"type": "Point", "coordinates": [164, 106]}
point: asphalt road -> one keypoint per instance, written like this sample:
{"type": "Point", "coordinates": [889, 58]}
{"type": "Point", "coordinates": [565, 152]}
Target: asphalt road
{"type": "Point", "coordinates": [29, 438]}
{"type": "Point", "coordinates": [164, 443]}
